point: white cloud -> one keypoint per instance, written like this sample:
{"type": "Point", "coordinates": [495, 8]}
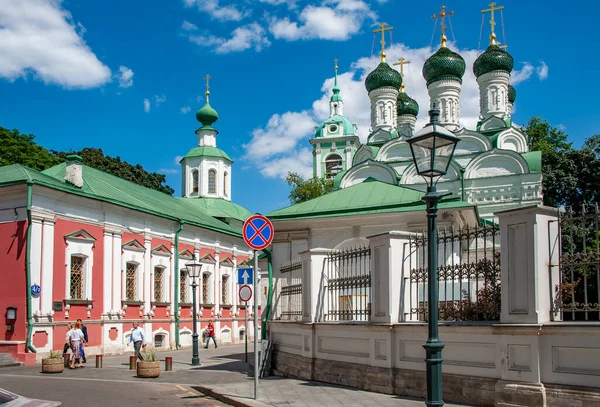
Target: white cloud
{"type": "Point", "coordinates": [542, 71]}
{"type": "Point", "coordinates": [242, 38]}
{"type": "Point", "coordinates": [187, 26]}
{"type": "Point", "coordinates": [159, 99]}
{"type": "Point", "coordinates": [168, 171]}
{"type": "Point", "coordinates": [282, 144]}
{"type": "Point", "coordinates": [291, 4]}
{"type": "Point", "coordinates": [125, 76]}
{"type": "Point", "coordinates": [39, 38]}
{"type": "Point", "coordinates": [334, 20]}
{"type": "Point", "coordinates": [185, 109]}
{"type": "Point", "coordinates": [212, 8]}
{"type": "Point", "coordinates": [520, 75]}
{"type": "Point", "coordinates": [146, 105]}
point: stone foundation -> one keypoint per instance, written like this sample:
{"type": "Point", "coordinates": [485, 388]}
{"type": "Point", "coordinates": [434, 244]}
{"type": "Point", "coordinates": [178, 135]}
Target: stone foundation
{"type": "Point", "coordinates": [457, 388]}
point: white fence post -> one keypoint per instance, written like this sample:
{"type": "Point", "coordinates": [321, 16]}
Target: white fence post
{"type": "Point", "coordinates": [389, 267]}
{"type": "Point", "coordinates": [313, 288]}
{"type": "Point", "coordinates": [527, 235]}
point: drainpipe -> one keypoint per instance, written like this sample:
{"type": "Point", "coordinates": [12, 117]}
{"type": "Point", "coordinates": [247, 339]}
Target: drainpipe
{"type": "Point", "coordinates": [462, 184]}
{"type": "Point", "coordinates": [176, 285]}
{"type": "Point", "coordinates": [28, 344]}
{"type": "Point", "coordinates": [267, 311]}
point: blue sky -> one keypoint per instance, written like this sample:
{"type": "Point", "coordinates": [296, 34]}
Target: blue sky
{"type": "Point", "coordinates": [127, 76]}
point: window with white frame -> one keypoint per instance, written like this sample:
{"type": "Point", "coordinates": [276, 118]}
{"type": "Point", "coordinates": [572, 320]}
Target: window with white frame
{"type": "Point", "coordinates": [212, 181]}
{"type": "Point", "coordinates": [183, 285]}
{"type": "Point", "coordinates": [159, 278]}
{"type": "Point", "coordinates": [131, 291]}
{"type": "Point", "coordinates": [76, 277]}
{"type": "Point", "coordinates": [225, 290]}
{"type": "Point", "coordinates": [206, 288]}
{"type": "Point", "coordinates": [225, 184]}
{"type": "Point", "coordinates": [195, 181]}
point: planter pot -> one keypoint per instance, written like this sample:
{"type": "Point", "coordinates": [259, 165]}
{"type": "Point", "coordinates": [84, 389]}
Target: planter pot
{"type": "Point", "coordinates": [53, 365]}
{"type": "Point", "coordinates": [148, 369]}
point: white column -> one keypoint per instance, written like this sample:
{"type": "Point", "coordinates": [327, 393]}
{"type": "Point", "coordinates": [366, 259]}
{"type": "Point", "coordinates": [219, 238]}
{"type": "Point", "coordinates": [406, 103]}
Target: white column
{"type": "Point", "coordinates": [107, 278]}
{"type": "Point", "coordinates": [36, 261]}
{"type": "Point", "coordinates": [47, 266]}
{"type": "Point", "coordinates": [529, 241]}
{"type": "Point", "coordinates": [318, 160]}
{"type": "Point", "coordinates": [312, 273]}
{"type": "Point", "coordinates": [116, 258]}
{"type": "Point", "coordinates": [147, 273]}
{"type": "Point", "coordinates": [388, 251]}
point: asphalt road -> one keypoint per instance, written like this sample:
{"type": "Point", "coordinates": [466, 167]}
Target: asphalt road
{"type": "Point", "coordinates": [78, 392]}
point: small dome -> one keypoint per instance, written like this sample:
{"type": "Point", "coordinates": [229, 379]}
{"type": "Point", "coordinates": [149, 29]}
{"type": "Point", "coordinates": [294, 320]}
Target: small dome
{"type": "Point", "coordinates": [493, 59]}
{"type": "Point", "coordinates": [333, 124]}
{"type": "Point", "coordinates": [512, 94]}
{"type": "Point", "coordinates": [444, 64]}
{"type": "Point", "coordinates": [383, 76]}
{"type": "Point", "coordinates": [407, 105]}
{"type": "Point", "coordinates": [207, 115]}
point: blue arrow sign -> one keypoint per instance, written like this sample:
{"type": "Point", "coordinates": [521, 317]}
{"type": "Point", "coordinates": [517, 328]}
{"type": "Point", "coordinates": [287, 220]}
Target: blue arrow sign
{"type": "Point", "coordinates": [245, 276]}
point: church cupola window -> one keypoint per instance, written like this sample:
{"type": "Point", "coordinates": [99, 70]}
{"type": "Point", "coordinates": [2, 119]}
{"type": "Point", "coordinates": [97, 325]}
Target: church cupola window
{"type": "Point", "coordinates": [225, 184]}
{"type": "Point", "coordinates": [195, 181]}
{"type": "Point", "coordinates": [212, 179]}
{"type": "Point", "coordinates": [333, 166]}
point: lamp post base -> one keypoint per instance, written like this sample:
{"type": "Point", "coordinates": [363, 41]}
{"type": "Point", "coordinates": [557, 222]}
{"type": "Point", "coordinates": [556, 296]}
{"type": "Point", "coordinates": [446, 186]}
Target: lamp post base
{"type": "Point", "coordinates": [195, 357]}
{"type": "Point", "coordinates": [433, 349]}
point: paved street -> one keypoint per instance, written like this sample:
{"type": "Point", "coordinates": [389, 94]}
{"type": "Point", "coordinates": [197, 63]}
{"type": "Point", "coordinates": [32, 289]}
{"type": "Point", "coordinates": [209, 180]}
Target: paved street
{"type": "Point", "coordinates": [221, 375]}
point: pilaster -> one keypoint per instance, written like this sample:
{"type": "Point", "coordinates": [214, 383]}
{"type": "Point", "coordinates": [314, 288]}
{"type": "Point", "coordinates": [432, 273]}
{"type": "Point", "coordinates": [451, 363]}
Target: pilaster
{"type": "Point", "coordinates": [47, 267]}
{"type": "Point", "coordinates": [312, 276]}
{"type": "Point", "coordinates": [35, 259]}
{"type": "Point", "coordinates": [107, 277]}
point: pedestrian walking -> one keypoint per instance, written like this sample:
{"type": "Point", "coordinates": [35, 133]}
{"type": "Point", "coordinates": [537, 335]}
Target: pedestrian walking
{"type": "Point", "coordinates": [76, 339]}
{"type": "Point", "coordinates": [85, 337]}
{"type": "Point", "coordinates": [210, 333]}
{"type": "Point", "coordinates": [138, 337]}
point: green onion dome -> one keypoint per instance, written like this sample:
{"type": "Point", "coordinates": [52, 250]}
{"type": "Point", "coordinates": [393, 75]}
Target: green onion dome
{"type": "Point", "coordinates": [207, 115]}
{"type": "Point", "coordinates": [444, 64]}
{"type": "Point", "coordinates": [512, 94]}
{"type": "Point", "coordinates": [383, 76]}
{"type": "Point", "coordinates": [493, 59]}
{"type": "Point", "coordinates": [407, 105]}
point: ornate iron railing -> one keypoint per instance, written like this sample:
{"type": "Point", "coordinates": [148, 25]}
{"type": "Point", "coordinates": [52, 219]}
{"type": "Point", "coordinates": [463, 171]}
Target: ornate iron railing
{"type": "Point", "coordinates": [347, 280]}
{"type": "Point", "coordinates": [468, 275]}
{"type": "Point", "coordinates": [290, 295]}
{"type": "Point", "coordinates": [577, 296]}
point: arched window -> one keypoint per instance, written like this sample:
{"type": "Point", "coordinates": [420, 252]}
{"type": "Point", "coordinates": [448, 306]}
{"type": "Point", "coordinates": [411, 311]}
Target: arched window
{"type": "Point", "coordinates": [212, 179]}
{"type": "Point", "coordinates": [183, 297]}
{"type": "Point", "coordinates": [195, 181]}
{"type": "Point", "coordinates": [225, 184]}
{"type": "Point", "coordinates": [333, 165]}
{"type": "Point", "coordinates": [77, 271]}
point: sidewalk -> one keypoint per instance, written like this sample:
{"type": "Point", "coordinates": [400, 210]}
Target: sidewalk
{"type": "Point", "coordinates": [222, 375]}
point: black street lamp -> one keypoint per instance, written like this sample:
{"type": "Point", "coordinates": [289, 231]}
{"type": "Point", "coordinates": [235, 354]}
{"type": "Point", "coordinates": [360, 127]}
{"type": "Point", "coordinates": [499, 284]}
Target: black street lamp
{"type": "Point", "coordinates": [432, 148]}
{"type": "Point", "coordinates": [193, 269]}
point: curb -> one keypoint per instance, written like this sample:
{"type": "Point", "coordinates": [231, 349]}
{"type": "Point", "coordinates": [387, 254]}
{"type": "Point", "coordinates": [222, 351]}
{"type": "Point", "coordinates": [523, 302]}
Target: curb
{"type": "Point", "coordinates": [234, 401]}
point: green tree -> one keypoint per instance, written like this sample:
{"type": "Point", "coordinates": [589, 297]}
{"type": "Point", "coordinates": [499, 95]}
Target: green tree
{"type": "Point", "coordinates": [304, 190]}
{"type": "Point", "coordinates": [17, 148]}
{"type": "Point", "coordinates": [95, 158]}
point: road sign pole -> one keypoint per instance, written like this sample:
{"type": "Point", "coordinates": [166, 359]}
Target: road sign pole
{"type": "Point", "coordinates": [246, 329]}
{"type": "Point", "coordinates": [256, 367]}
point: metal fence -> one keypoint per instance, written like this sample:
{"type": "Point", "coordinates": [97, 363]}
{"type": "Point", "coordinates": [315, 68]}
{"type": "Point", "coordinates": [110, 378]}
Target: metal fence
{"type": "Point", "coordinates": [290, 296]}
{"type": "Point", "coordinates": [577, 296]}
{"type": "Point", "coordinates": [347, 283]}
{"type": "Point", "coordinates": [468, 275]}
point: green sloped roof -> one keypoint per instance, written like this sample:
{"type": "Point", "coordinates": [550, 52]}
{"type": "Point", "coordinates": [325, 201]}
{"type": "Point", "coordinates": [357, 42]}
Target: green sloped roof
{"type": "Point", "coordinates": [220, 208]}
{"type": "Point", "coordinates": [207, 151]}
{"type": "Point", "coordinates": [109, 188]}
{"type": "Point", "coordinates": [534, 160]}
{"type": "Point", "coordinates": [361, 199]}
{"type": "Point", "coordinates": [17, 174]}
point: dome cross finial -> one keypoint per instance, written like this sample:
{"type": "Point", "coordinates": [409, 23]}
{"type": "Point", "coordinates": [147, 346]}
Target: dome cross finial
{"type": "Point", "coordinates": [383, 27]}
{"type": "Point", "coordinates": [491, 10]}
{"type": "Point", "coordinates": [207, 93]}
{"type": "Point", "coordinates": [442, 15]}
{"type": "Point", "coordinates": [401, 62]}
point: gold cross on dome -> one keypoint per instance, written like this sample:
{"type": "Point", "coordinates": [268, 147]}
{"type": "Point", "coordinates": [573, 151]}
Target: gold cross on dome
{"type": "Point", "coordinates": [383, 27]}
{"type": "Point", "coordinates": [401, 62]}
{"type": "Point", "coordinates": [492, 21]}
{"type": "Point", "coordinates": [442, 15]}
{"type": "Point", "coordinates": [206, 78]}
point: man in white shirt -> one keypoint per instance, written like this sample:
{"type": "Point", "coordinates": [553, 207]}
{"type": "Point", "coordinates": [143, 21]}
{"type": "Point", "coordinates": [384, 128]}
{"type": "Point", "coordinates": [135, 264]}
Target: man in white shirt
{"type": "Point", "coordinates": [138, 337]}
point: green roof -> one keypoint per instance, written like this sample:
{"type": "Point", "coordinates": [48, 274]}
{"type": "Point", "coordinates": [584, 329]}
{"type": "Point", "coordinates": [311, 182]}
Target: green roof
{"type": "Point", "coordinates": [493, 59]}
{"type": "Point", "coordinates": [444, 64]}
{"type": "Point", "coordinates": [346, 124]}
{"type": "Point", "coordinates": [512, 94]}
{"type": "Point", "coordinates": [207, 115]}
{"type": "Point", "coordinates": [109, 188]}
{"type": "Point", "coordinates": [383, 76]}
{"type": "Point", "coordinates": [220, 208]}
{"type": "Point", "coordinates": [207, 151]}
{"type": "Point", "coordinates": [534, 160]}
{"type": "Point", "coordinates": [406, 105]}
{"type": "Point", "coordinates": [361, 199]}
